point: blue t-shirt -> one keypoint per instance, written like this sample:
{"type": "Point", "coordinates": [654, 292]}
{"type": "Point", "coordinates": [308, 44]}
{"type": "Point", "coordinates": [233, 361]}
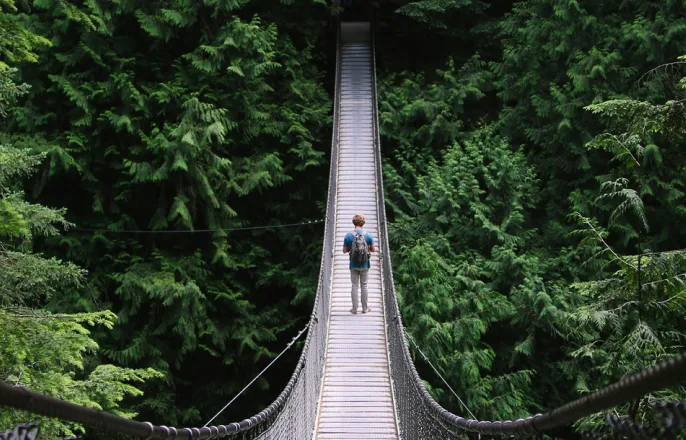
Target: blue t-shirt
{"type": "Point", "coordinates": [348, 242]}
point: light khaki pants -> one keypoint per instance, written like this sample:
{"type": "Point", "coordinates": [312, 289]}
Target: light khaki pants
{"type": "Point", "coordinates": [359, 276]}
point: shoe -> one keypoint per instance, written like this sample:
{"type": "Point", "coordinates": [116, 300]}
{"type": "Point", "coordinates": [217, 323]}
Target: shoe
{"type": "Point", "coordinates": [367, 311]}
{"type": "Point", "coordinates": [353, 311]}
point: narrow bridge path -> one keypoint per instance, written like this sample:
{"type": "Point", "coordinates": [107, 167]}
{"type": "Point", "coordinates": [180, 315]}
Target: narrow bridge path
{"type": "Point", "coordinates": [356, 401]}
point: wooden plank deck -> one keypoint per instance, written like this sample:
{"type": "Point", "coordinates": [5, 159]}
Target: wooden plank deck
{"type": "Point", "coordinates": [357, 399]}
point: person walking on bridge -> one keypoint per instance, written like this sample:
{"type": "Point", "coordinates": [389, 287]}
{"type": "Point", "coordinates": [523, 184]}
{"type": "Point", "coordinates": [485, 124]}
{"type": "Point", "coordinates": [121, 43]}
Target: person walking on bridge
{"type": "Point", "coordinates": [360, 244]}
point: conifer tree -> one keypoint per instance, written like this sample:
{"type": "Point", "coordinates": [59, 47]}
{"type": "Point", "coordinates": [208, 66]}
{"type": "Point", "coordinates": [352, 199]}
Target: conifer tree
{"type": "Point", "coordinates": [47, 352]}
{"type": "Point", "coordinates": [551, 68]}
{"type": "Point", "coordinates": [559, 57]}
{"type": "Point", "coordinates": [633, 316]}
{"type": "Point", "coordinates": [459, 259]}
{"type": "Point", "coordinates": [179, 117]}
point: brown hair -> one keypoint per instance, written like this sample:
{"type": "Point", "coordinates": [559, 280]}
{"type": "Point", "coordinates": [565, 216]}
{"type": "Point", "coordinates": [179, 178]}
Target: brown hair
{"type": "Point", "coordinates": [358, 220]}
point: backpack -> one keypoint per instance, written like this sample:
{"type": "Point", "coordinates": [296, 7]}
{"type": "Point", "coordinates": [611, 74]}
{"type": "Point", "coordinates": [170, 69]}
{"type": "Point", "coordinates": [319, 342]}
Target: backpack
{"type": "Point", "coordinates": [359, 253]}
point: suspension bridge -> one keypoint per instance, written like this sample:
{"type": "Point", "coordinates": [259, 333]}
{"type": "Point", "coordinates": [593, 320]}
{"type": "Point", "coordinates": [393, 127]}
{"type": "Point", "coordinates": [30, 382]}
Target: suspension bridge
{"type": "Point", "coordinates": [355, 378]}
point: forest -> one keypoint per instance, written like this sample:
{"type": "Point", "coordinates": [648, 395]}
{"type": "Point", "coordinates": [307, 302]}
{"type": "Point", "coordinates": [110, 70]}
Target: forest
{"type": "Point", "coordinates": [534, 160]}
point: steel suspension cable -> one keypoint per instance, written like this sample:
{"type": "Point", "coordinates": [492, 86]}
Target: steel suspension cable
{"type": "Point", "coordinates": [409, 336]}
{"type": "Point", "coordinates": [665, 374]}
{"type": "Point", "coordinates": [290, 344]}
{"type": "Point", "coordinates": [195, 231]}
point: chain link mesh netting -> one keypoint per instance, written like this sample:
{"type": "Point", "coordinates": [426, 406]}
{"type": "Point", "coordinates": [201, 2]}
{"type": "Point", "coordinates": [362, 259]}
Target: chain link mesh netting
{"type": "Point", "coordinates": [293, 415]}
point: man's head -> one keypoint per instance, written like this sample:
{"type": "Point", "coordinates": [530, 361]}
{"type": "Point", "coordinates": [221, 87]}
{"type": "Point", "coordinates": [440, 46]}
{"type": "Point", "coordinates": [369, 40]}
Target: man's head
{"type": "Point", "coordinates": [358, 220]}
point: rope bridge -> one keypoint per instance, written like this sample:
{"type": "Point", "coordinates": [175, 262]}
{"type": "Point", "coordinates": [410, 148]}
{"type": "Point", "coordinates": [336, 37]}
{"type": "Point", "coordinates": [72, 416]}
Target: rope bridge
{"type": "Point", "coordinates": [355, 378]}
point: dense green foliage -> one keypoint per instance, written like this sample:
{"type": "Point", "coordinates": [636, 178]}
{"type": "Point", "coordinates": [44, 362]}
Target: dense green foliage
{"type": "Point", "coordinates": [464, 235]}
{"type": "Point", "coordinates": [633, 315]}
{"type": "Point", "coordinates": [531, 152]}
{"type": "Point", "coordinates": [45, 351]}
{"type": "Point", "coordinates": [516, 243]}
{"type": "Point", "coordinates": [185, 116]}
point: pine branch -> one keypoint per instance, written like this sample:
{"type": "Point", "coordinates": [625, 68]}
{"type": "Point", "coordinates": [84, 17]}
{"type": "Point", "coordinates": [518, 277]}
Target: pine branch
{"type": "Point", "coordinates": [621, 144]}
{"type": "Point", "coordinates": [664, 67]}
{"type": "Point", "coordinates": [678, 277]}
{"type": "Point", "coordinates": [602, 240]}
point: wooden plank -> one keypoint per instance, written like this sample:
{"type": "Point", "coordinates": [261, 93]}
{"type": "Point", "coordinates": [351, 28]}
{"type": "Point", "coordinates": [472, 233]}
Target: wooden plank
{"type": "Point", "coordinates": [357, 398]}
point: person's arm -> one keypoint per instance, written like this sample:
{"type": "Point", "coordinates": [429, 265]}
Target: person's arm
{"type": "Point", "coordinates": [372, 245]}
{"type": "Point", "coordinates": [346, 245]}
{"type": "Point", "coordinates": [372, 248]}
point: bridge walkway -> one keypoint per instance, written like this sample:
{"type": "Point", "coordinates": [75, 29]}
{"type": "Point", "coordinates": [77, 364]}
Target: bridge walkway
{"type": "Point", "coordinates": [356, 401]}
